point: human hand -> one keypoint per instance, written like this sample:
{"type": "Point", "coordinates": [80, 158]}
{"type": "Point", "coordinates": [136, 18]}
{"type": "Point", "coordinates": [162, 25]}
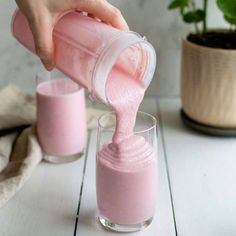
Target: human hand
{"type": "Point", "coordinates": [42, 15]}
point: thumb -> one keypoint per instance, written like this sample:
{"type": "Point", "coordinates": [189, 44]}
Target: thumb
{"type": "Point", "coordinates": [42, 32]}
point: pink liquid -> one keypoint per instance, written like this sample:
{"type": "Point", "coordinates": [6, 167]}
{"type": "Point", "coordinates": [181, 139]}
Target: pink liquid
{"type": "Point", "coordinates": [61, 119]}
{"type": "Point", "coordinates": [126, 168]}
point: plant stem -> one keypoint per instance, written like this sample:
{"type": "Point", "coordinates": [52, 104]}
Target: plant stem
{"type": "Point", "coordinates": [196, 28]}
{"type": "Point", "coordinates": [205, 5]}
{"type": "Point", "coordinates": [195, 24]}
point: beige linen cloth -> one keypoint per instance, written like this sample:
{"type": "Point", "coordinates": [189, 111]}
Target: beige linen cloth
{"type": "Point", "coordinates": [20, 151]}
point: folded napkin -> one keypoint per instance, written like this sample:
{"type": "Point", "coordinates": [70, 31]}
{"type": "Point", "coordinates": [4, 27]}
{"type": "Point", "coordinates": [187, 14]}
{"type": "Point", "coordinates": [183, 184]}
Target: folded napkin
{"type": "Point", "coordinates": [20, 151]}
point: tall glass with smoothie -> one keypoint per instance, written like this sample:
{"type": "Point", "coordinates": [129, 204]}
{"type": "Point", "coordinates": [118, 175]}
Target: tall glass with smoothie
{"type": "Point", "coordinates": [61, 118]}
{"type": "Point", "coordinates": [127, 175]}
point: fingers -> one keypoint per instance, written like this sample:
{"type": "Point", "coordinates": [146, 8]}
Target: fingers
{"type": "Point", "coordinates": [105, 12]}
{"type": "Point", "coordinates": [42, 32]}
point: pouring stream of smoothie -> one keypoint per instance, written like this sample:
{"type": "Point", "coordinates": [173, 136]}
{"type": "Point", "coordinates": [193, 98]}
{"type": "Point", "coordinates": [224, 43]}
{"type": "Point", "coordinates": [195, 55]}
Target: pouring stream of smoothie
{"type": "Point", "coordinates": [125, 95]}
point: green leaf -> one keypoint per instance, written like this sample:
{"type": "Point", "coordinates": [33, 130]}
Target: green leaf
{"type": "Point", "coordinates": [228, 7]}
{"type": "Point", "coordinates": [178, 3]}
{"type": "Point", "coordinates": [230, 20]}
{"type": "Point", "coordinates": [194, 16]}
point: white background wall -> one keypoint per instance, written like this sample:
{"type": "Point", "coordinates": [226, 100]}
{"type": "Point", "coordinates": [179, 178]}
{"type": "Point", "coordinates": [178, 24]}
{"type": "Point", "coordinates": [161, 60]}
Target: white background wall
{"type": "Point", "coordinates": [163, 29]}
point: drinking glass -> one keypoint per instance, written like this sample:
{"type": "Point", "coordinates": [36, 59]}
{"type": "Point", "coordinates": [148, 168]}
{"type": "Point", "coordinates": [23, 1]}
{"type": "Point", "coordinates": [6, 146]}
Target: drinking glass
{"type": "Point", "coordinates": [127, 186]}
{"type": "Point", "coordinates": [61, 118]}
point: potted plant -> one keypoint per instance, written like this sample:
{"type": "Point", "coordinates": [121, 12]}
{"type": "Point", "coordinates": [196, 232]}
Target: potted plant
{"type": "Point", "coordinates": [208, 67]}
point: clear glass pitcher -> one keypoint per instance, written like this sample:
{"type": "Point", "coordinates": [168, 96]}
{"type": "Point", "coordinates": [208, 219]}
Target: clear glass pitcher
{"type": "Point", "coordinates": [88, 50]}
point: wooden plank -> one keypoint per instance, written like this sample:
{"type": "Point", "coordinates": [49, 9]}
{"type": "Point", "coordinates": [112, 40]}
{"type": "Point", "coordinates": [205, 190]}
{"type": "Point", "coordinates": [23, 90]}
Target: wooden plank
{"type": "Point", "coordinates": [163, 223]}
{"type": "Point", "coordinates": [202, 171]}
{"type": "Point", "coordinates": [47, 204]}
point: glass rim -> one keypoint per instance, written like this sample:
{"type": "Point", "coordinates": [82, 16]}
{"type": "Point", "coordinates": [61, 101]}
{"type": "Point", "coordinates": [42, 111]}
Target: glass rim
{"type": "Point", "coordinates": [133, 38]}
{"type": "Point", "coordinates": [139, 41]}
{"type": "Point", "coordinates": [153, 118]}
{"type": "Point", "coordinates": [43, 77]}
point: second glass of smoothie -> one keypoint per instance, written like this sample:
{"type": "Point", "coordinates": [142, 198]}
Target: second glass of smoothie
{"type": "Point", "coordinates": [61, 118]}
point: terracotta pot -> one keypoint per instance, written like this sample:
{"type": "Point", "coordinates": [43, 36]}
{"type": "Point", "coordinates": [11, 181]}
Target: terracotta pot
{"type": "Point", "coordinates": [208, 85]}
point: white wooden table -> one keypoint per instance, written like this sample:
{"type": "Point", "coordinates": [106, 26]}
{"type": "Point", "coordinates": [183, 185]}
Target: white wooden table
{"type": "Point", "coordinates": [197, 187]}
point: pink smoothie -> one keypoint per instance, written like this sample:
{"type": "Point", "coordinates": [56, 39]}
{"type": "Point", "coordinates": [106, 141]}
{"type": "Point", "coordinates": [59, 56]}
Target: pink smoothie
{"type": "Point", "coordinates": [126, 168]}
{"type": "Point", "coordinates": [61, 118]}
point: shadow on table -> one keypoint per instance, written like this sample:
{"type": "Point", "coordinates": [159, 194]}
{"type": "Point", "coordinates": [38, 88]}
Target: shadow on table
{"type": "Point", "coordinates": [89, 219]}
{"type": "Point", "coordinates": [172, 121]}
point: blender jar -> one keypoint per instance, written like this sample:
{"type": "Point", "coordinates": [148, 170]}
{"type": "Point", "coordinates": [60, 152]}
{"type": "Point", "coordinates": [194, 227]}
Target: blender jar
{"type": "Point", "coordinates": [87, 50]}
